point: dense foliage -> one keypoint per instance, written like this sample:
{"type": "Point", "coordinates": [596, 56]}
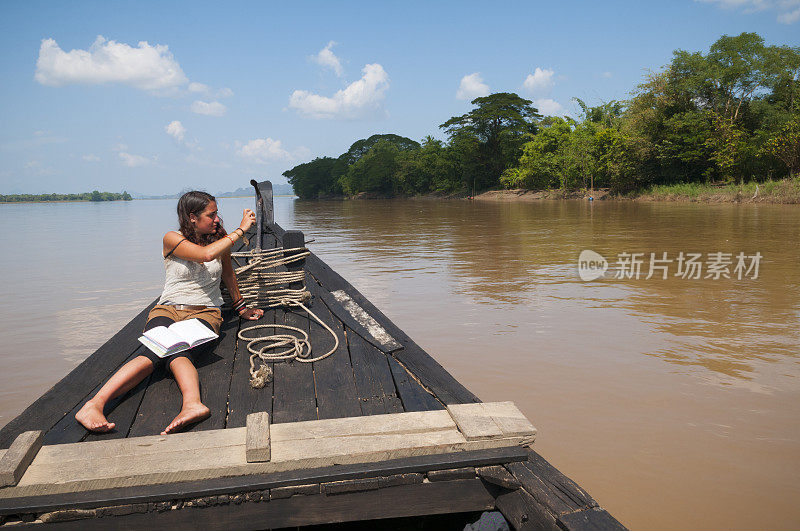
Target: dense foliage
{"type": "Point", "coordinates": [729, 115]}
{"type": "Point", "coordinates": [88, 196]}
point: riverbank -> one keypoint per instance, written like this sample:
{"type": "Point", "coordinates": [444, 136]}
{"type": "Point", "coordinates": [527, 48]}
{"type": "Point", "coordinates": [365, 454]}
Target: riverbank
{"type": "Point", "coordinates": [94, 196]}
{"type": "Point", "coordinates": [778, 192]}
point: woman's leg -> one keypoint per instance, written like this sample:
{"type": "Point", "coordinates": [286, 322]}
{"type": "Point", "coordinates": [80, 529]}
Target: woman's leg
{"type": "Point", "coordinates": [192, 410]}
{"type": "Point", "coordinates": [91, 414]}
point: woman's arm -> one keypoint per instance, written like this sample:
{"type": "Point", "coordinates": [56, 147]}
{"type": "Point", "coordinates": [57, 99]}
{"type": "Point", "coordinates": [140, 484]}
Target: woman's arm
{"type": "Point", "coordinates": [229, 278]}
{"type": "Point", "coordinates": [187, 250]}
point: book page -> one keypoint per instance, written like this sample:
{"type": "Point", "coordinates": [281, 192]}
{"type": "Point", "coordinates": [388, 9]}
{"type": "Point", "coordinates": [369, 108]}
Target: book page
{"type": "Point", "coordinates": [154, 347]}
{"type": "Point", "coordinates": [164, 337]}
{"type": "Point", "coordinates": [193, 331]}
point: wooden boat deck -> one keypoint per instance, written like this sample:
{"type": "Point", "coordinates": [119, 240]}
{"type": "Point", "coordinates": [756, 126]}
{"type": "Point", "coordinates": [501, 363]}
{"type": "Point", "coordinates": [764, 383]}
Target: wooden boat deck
{"type": "Point", "coordinates": [363, 377]}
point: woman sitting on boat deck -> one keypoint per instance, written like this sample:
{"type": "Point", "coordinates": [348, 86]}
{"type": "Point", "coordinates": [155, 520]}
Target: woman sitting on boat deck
{"type": "Point", "coordinates": [195, 260]}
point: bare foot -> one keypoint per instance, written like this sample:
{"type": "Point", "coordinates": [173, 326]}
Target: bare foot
{"type": "Point", "coordinates": [92, 418]}
{"type": "Point", "coordinates": [188, 415]}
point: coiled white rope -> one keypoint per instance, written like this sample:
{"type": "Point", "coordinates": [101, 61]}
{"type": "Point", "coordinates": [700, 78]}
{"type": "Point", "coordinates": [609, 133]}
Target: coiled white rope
{"type": "Point", "coordinates": [254, 279]}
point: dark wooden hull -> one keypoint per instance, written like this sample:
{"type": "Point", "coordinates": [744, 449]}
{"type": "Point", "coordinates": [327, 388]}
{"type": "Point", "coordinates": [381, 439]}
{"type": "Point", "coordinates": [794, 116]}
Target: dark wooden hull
{"type": "Point", "coordinates": [361, 378]}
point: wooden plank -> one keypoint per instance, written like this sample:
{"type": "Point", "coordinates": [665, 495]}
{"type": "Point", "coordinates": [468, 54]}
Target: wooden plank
{"type": "Point", "coordinates": [497, 475]}
{"type": "Point", "coordinates": [509, 419]}
{"type": "Point", "coordinates": [390, 502]}
{"type": "Point", "coordinates": [551, 488]}
{"type": "Point", "coordinates": [244, 399]}
{"type": "Point", "coordinates": [215, 367]}
{"type": "Point", "coordinates": [104, 464]}
{"type": "Point", "coordinates": [349, 321]}
{"type": "Point", "coordinates": [268, 241]}
{"type": "Point", "coordinates": [19, 455]}
{"type": "Point", "coordinates": [492, 419]}
{"type": "Point", "coordinates": [210, 463]}
{"type": "Point", "coordinates": [594, 519]}
{"type": "Point", "coordinates": [257, 443]}
{"type": "Point", "coordinates": [452, 473]}
{"type": "Point", "coordinates": [398, 423]}
{"type": "Point", "coordinates": [411, 393]}
{"type": "Point", "coordinates": [473, 421]}
{"type": "Point", "coordinates": [524, 512]}
{"type": "Point", "coordinates": [401, 423]}
{"type": "Point", "coordinates": [366, 321]}
{"type": "Point", "coordinates": [51, 407]}
{"type": "Point", "coordinates": [373, 377]}
{"type": "Point", "coordinates": [129, 448]}
{"type": "Point", "coordinates": [121, 411]}
{"type": "Point", "coordinates": [294, 396]}
{"type": "Point", "coordinates": [333, 376]}
{"type": "Point", "coordinates": [431, 373]}
{"type": "Point", "coordinates": [265, 192]}
{"type": "Point", "coordinates": [233, 484]}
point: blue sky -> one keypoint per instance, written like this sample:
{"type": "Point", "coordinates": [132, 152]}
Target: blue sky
{"type": "Point", "coordinates": [218, 93]}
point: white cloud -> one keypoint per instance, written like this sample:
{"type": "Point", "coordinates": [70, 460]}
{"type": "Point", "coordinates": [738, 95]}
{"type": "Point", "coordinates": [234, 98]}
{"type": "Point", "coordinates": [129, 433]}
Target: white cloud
{"type": "Point", "coordinates": [789, 17]}
{"type": "Point", "coordinates": [201, 88]}
{"type": "Point", "coordinates": [471, 87]}
{"type": "Point", "coordinates": [548, 107]}
{"type": "Point", "coordinates": [328, 59]}
{"type": "Point", "coordinates": [176, 130]}
{"type": "Point", "coordinates": [145, 67]}
{"type": "Point", "coordinates": [34, 167]}
{"type": "Point", "coordinates": [540, 83]}
{"type": "Point", "coordinates": [213, 108]}
{"type": "Point", "coordinates": [356, 100]}
{"type": "Point", "coordinates": [197, 87]}
{"type": "Point", "coordinates": [301, 153]}
{"type": "Point", "coordinates": [749, 6]}
{"type": "Point", "coordinates": [607, 75]}
{"type": "Point", "coordinates": [263, 150]}
{"type": "Point", "coordinates": [91, 157]}
{"type": "Point", "coordinates": [133, 161]}
{"type": "Point", "coordinates": [788, 10]}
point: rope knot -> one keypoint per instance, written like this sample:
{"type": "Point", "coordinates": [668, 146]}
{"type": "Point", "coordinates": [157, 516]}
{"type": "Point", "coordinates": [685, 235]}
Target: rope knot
{"type": "Point", "coordinates": [261, 377]}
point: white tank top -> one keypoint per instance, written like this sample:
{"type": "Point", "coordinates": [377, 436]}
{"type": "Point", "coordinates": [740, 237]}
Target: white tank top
{"type": "Point", "coordinates": [192, 283]}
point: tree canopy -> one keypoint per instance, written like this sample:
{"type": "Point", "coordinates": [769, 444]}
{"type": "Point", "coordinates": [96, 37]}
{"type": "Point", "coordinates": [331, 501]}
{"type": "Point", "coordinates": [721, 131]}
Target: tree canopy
{"type": "Point", "coordinates": [498, 126]}
{"type": "Point", "coordinates": [729, 114]}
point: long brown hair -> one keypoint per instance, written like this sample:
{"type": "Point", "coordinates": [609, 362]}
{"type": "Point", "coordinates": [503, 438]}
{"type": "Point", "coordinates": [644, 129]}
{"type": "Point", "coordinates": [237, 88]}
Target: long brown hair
{"type": "Point", "coordinates": [195, 202]}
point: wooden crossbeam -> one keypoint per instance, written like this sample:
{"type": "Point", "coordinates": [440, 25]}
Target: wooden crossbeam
{"type": "Point", "coordinates": [210, 454]}
{"type": "Point", "coordinates": [15, 461]}
{"type": "Point", "coordinates": [257, 445]}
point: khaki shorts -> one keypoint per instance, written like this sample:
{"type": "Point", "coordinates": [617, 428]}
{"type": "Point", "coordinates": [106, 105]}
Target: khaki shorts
{"type": "Point", "coordinates": [213, 316]}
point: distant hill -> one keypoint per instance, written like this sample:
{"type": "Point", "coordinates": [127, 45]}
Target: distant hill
{"type": "Point", "coordinates": [245, 191]}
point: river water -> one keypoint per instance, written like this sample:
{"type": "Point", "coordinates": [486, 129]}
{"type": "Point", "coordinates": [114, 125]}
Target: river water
{"type": "Point", "coordinates": [675, 402]}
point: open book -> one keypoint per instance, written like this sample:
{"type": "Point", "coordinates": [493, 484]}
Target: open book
{"type": "Point", "coordinates": [165, 341]}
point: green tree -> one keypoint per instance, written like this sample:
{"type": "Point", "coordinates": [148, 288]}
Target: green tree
{"type": "Point", "coordinates": [375, 171]}
{"type": "Point", "coordinates": [785, 145]}
{"type": "Point", "coordinates": [315, 179]}
{"type": "Point", "coordinates": [361, 147]}
{"type": "Point", "coordinates": [497, 127]}
{"type": "Point", "coordinates": [543, 163]}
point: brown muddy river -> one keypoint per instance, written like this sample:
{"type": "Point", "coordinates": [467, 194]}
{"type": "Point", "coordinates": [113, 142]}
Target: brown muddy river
{"type": "Point", "coordinates": [675, 402]}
